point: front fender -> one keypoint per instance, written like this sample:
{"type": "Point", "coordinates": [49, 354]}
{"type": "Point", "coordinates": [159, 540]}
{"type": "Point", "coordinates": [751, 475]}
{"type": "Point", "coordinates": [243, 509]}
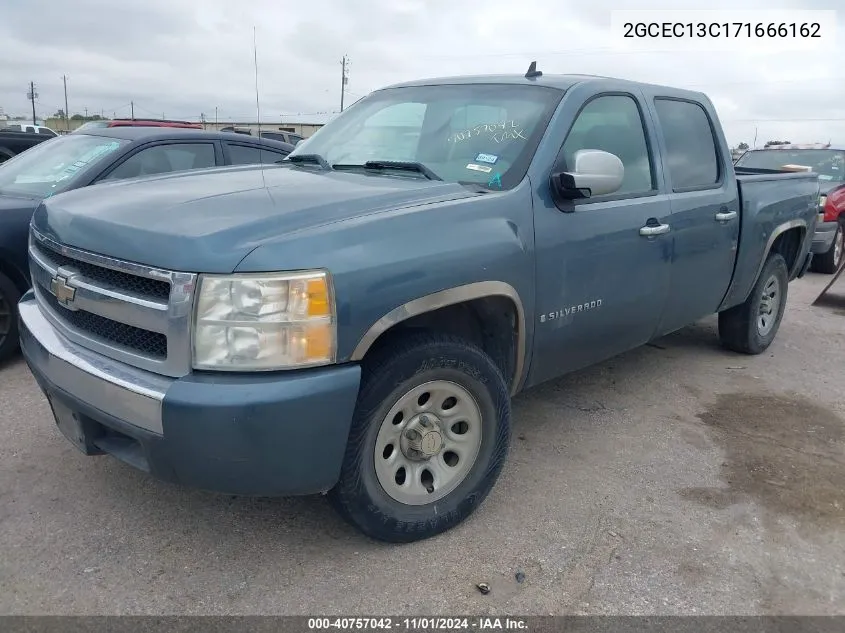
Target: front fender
{"type": "Point", "coordinates": [391, 265]}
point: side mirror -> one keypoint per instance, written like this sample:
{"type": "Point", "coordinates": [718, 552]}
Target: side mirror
{"type": "Point", "coordinates": [595, 173]}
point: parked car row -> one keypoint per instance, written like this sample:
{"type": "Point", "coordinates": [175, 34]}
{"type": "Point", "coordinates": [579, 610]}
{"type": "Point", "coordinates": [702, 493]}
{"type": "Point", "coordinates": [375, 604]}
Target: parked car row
{"type": "Point", "coordinates": [354, 320]}
{"type": "Point", "coordinates": [276, 135]}
{"type": "Point", "coordinates": [98, 156]}
{"type": "Point", "coordinates": [26, 127]}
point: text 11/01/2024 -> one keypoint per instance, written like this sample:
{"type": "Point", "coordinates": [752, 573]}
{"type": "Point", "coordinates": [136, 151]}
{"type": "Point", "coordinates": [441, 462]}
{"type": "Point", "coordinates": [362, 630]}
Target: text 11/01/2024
{"type": "Point", "coordinates": [747, 31]}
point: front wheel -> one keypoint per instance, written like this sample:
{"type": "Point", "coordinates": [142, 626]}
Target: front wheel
{"type": "Point", "coordinates": [751, 327]}
{"type": "Point", "coordinates": [429, 436]}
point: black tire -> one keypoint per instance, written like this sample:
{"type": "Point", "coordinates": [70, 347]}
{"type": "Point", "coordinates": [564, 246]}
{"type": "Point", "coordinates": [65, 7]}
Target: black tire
{"type": "Point", "coordinates": [390, 374]}
{"type": "Point", "coordinates": [828, 263]}
{"type": "Point", "coordinates": [740, 329]}
{"type": "Point", "coordinates": [9, 296]}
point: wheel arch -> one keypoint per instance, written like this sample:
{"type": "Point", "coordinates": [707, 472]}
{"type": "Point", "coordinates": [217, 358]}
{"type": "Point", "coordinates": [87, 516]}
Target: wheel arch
{"type": "Point", "coordinates": [456, 296]}
{"type": "Point", "coordinates": [790, 248]}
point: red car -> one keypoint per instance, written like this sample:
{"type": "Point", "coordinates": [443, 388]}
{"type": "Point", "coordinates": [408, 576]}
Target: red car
{"type": "Point", "coordinates": [105, 123]}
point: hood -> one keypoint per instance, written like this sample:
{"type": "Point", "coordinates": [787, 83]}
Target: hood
{"type": "Point", "coordinates": [209, 221]}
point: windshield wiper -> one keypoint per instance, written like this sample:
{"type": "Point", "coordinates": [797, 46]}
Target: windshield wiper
{"type": "Point", "coordinates": [310, 158]}
{"type": "Point", "coordinates": [399, 165]}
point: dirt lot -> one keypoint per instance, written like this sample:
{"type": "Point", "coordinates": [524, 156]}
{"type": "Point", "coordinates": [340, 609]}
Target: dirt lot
{"type": "Point", "coordinates": [677, 478]}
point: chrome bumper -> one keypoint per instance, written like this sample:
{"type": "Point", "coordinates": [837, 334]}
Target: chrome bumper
{"type": "Point", "coordinates": [121, 391]}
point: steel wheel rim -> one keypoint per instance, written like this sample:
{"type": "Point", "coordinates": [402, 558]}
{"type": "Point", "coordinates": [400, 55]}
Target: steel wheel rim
{"type": "Point", "coordinates": [769, 306]}
{"type": "Point", "coordinates": [428, 442]}
{"type": "Point", "coordinates": [5, 318]}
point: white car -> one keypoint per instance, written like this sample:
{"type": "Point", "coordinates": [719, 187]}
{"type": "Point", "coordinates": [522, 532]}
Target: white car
{"type": "Point", "coordinates": [26, 127]}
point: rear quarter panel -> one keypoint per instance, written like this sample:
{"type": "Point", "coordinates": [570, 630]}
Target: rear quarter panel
{"type": "Point", "coordinates": [771, 204]}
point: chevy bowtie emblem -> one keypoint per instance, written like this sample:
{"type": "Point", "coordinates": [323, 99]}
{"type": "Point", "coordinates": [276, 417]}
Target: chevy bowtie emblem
{"type": "Point", "coordinates": [64, 293]}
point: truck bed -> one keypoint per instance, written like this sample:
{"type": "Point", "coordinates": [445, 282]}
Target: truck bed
{"type": "Point", "coordinates": [770, 202]}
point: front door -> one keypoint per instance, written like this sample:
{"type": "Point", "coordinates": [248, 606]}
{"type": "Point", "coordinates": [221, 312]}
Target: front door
{"type": "Point", "coordinates": [602, 263]}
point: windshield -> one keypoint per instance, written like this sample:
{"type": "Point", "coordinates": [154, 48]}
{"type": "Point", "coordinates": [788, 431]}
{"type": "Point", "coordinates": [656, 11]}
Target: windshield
{"type": "Point", "coordinates": [53, 165]}
{"type": "Point", "coordinates": [829, 164]}
{"type": "Point", "coordinates": [482, 134]}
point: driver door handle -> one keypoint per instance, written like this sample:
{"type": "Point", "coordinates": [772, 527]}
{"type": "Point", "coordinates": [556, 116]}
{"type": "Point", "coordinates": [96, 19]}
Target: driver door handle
{"type": "Point", "coordinates": [725, 215]}
{"type": "Point", "coordinates": [654, 229]}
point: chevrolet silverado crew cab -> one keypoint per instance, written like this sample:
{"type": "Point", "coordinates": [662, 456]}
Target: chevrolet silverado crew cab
{"type": "Point", "coordinates": [356, 320]}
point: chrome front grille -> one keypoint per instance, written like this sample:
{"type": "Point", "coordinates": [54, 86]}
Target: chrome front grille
{"type": "Point", "coordinates": [108, 277]}
{"type": "Point", "coordinates": [126, 311]}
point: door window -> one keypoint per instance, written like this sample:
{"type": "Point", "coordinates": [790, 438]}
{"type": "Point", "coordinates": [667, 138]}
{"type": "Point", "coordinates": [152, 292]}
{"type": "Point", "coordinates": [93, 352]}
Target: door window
{"type": "Point", "coordinates": [613, 123]}
{"type": "Point", "coordinates": [163, 159]}
{"type": "Point", "coordinates": [690, 148]}
{"type": "Point", "coordinates": [250, 155]}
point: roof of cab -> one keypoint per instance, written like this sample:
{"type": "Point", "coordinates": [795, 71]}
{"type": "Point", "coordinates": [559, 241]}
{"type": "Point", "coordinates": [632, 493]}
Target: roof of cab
{"type": "Point", "coordinates": [559, 82]}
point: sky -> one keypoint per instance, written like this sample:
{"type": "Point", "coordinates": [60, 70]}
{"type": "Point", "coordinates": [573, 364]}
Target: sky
{"type": "Point", "coordinates": [181, 58]}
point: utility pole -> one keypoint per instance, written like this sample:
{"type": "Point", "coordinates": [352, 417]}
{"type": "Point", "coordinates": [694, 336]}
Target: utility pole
{"type": "Point", "coordinates": [32, 96]}
{"type": "Point", "coordinates": [344, 79]}
{"type": "Point", "coordinates": [86, 113]}
{"type": "Point", "coordinates": [67, 114]}
{"type": "Point", "coordinates": [202, 118]}
{"type": "Point", "coordinates": [215, 117]}
{"type": "Point", "coordinates": [132, 109]}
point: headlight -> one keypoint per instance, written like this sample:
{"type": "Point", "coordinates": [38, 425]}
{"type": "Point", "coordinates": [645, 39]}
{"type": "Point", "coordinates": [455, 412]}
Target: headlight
{"type": "Point", "coordinates": [264, 321]}
{"type": "Point", "coordinates": [822, 201]}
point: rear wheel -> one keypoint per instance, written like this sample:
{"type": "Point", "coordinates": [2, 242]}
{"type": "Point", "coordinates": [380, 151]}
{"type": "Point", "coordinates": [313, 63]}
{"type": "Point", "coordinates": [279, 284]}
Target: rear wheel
{"type": "Point", "coordinates": [752, 326]}
{"type": "Point", "coordinates": [9, 296]}
{"type": "Point", "coordinates": [429, 437]}
{"type": "Point", "coordinates": [829, 262]}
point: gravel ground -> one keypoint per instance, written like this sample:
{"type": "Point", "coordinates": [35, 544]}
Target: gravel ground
{"type": "Point", "coordinates": [677, 478]}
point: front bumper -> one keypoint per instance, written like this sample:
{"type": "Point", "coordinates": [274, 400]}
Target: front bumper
{"type": "Point", "coordinates": [823, 237]}
{"type": "Point", "coordinates": [264, 434]}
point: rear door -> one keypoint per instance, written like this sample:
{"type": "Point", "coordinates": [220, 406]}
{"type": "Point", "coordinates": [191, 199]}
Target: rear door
{"type": "Point", "coordinates": [705, 211]}
{"type": "Point", "coordinates": [602, 262]}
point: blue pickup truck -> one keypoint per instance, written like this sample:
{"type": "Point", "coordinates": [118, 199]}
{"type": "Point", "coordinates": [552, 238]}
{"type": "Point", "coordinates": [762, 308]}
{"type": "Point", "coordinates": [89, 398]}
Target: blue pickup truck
{"type": "Point", "coordinates": [356, 320]}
